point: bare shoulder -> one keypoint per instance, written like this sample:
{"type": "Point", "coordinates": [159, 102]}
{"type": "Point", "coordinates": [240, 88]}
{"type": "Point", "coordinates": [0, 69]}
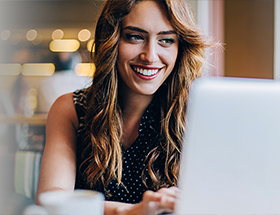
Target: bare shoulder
{"type": "Point", "coordinates": [59, 148]}
{"type": "Point", "coordinates": [63, 109]}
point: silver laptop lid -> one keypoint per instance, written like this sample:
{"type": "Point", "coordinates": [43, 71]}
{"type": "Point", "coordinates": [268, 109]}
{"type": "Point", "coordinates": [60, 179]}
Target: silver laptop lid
{"type": "Point", "coordinates": [231, 152]}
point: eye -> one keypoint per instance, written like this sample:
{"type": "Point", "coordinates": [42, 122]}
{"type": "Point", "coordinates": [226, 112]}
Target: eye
{"type": "Point", "coordinates": [167, 41]}
{"type": "Point", "coordinates": [133, 37]}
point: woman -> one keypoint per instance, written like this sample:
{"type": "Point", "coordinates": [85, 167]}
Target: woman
{"type": "Point", "coordinates": [122, 135]}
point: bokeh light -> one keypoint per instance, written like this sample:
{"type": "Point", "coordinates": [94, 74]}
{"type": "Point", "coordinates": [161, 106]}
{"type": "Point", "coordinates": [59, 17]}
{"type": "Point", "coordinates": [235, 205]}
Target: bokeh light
{"type": "Point", "coordinates": [85, 69]}
{"type": "Point", "coordinates": [38, 40]}
{"type": "Point", "coordinates": [38, 69]}
{"type": "Point", "coordinates": [84, 35]}
{"type": "Point", "coordinates": [64, 45]}
{"type": "Point", "coordinates": [5, 34]}
{"type": "Point", "coordinates": [31, 35]}
{"type": "Point", "coordinates": [57, 34]}
{"type": "Point", "coordinates": [16, 38]}
{"type": "Point", "coordinates": [11, 69]}
{"type": "Point", "coordinates": [89, 45]}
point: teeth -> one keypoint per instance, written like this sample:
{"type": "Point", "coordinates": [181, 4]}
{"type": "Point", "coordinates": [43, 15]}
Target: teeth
{"type": "Point", "coordinates": [145, 71]}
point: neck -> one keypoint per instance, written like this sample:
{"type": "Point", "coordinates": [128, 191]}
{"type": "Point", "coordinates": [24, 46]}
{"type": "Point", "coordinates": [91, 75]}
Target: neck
{"type": "Point", "coordinates": [134, 106]}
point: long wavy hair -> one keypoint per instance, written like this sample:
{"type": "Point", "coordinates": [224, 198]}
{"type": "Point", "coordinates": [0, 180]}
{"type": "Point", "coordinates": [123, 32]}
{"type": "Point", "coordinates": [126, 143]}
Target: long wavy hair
{"type": "Point", "coordinates": [103, 117]}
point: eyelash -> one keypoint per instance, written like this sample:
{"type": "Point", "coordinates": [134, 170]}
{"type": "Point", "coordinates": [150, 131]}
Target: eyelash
{"type": "Point", "coordinates": [137, 37]}
{"type": "Point", "coordinates": [133, 37]}
{"type": "Point", "coordinates": [167, 41]}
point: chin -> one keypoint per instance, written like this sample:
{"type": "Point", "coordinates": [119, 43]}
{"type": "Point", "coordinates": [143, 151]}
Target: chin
{"type": "Point", "coordinates": [146, 92]}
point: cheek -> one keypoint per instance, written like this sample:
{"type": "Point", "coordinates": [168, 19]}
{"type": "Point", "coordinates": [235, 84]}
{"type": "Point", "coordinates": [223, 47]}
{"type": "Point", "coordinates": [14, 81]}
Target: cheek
{"type": "Point", "coordinates": [126, 52]}
{"type": "Point", "coordinates": [121, 53]}
{"type": "Point", "coordinates": [171, 57]}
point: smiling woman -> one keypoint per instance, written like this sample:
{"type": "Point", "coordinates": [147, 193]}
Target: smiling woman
{"type": "Point", "coordinates": [122, 135]}
{"type": "Point", "coordinates": [148, 49]}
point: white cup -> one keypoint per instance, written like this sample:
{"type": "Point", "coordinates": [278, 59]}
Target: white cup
{"type": "Point", "coordinates": [78, 202]}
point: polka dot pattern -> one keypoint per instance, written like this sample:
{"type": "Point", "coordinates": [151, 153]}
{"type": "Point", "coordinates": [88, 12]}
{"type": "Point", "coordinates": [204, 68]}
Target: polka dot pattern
{"type": "Point", "coordinates": [133, 158]}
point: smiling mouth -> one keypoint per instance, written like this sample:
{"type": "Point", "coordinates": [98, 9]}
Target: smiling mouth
{"type": "Point", "coordinates": [145, 72]}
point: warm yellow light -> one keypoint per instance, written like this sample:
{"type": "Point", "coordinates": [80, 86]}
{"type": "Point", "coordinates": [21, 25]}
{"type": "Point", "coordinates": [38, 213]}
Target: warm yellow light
{"type": "Point", "coordinates": [89, 45]}
{"type": "Point", "coordinates": [85, 69]}
{"type": "Point", "coordinates": [57, 34]}
{"type": "Point", "coordinates": [5, 34]}
{"type": "Point", "coordinates": [38, 69]}
{"type": "Point", "coordinates": [10, 69]}
{"type": "Point", "coordinates": [31, 35]}
{"type": "Point", "coordinates": [64, 45]}
{"type": "Point", "coordinates": [84, 35]}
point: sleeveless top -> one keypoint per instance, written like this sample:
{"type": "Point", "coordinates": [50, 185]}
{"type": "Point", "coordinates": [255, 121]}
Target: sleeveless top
{"type": "Point", "coordinates": [133, 157]}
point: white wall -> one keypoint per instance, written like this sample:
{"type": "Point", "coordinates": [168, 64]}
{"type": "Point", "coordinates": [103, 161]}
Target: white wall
{"type": "Point", "coordinates": [277, 39]}
{"type": "Point", "coordinates": [210, 17]}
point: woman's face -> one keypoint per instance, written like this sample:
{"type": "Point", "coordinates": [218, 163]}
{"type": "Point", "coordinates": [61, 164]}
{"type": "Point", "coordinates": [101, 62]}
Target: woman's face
{"type": "Point", "coordinates": [148, 48]}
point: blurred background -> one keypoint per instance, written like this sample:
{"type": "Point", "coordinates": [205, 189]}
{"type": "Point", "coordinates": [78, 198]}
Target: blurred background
{"type": "Point", "coordinates": [45, 48]}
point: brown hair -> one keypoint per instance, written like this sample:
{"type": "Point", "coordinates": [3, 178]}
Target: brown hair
{"type": "Point", "coordinates": [104, 115]}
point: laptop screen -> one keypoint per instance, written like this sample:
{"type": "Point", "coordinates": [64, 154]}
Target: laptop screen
{"type": "Point", "coordinates": [231, 151]}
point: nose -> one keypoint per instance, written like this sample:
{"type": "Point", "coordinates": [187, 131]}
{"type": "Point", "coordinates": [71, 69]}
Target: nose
{"type": "Point", "coordinates": [149, 53]}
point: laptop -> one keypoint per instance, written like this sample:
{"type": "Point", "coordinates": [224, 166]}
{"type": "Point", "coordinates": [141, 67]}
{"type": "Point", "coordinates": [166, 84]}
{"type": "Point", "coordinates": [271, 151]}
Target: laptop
{"type": "Point", "coordinates": [231, 151]}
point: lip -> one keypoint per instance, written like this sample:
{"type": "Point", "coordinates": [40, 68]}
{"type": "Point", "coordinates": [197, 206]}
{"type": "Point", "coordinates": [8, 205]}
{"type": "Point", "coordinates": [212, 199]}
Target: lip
{"type": "Point", "coordinates": [146, 77]}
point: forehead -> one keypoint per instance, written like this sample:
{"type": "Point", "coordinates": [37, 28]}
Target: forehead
{"type": "Point", "coordinates": [148, 15]}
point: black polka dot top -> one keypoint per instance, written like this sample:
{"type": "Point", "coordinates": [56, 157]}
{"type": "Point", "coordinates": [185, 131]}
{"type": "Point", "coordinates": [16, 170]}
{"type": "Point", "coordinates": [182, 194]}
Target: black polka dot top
{"type": "Point", "coordinates": [133, 157]}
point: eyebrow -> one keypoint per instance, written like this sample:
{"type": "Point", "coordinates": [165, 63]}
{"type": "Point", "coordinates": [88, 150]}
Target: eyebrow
{"type": "Point", "coordinates": [143, 31]}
